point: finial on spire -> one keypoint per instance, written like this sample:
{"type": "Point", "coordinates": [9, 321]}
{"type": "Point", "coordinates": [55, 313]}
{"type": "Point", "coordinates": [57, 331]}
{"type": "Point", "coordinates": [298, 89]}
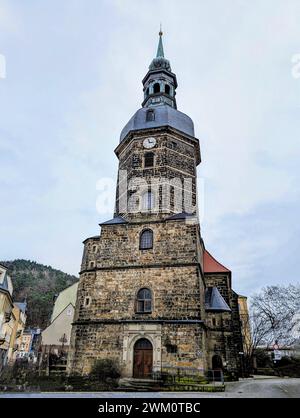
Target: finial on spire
{"type": "Point", "coordinates": [160, 31]}
{"type": "Point", "coordinates": [160, 49]}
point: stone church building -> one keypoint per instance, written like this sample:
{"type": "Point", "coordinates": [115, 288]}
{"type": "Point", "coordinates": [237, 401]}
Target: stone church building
{"type": "Point", "coordinates": [150, 295]}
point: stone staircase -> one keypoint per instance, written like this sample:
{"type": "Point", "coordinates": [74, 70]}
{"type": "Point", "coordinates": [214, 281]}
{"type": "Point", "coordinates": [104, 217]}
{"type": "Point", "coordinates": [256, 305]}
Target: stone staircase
{"type": "Point", "coordinates": [139, 385]}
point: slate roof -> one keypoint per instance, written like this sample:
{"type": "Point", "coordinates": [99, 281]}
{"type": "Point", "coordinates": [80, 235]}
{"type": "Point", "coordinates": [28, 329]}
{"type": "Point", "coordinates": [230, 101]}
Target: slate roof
{"type": "Point", "coordinates": [94, 237]}
{"type": "Point", "coordinates": [114, 221]}
{"type": "Point", "coordinates": [22, 306]}
{"type": "Point", "coordinates": [214, 301]}
{"type": "Point", "coordinates": [165, 115]}
{"type": "Point", "coordinates": [179, 216]}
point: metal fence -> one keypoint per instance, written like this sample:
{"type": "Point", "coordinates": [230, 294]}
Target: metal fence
{"type": "Point", "coordinates": [175, 374]}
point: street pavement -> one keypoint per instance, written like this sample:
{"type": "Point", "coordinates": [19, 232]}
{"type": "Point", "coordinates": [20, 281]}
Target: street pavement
{"type": "Point", "coordinates": [247, 388]}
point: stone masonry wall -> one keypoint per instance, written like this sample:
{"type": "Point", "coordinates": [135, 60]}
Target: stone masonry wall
{"type": "Point", "coordinates": [176, 293]}
{"type": "Point", "coordinates": [173, 242]}
{"type": "Point", "coordinates": [174, 158]}
{"type": "Point", "coordinates": [100, 341]}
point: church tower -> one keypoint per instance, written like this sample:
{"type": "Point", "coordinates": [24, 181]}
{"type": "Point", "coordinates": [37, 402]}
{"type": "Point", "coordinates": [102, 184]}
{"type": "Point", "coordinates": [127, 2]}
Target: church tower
{"type": "Point", "coordinates": [142, 298]}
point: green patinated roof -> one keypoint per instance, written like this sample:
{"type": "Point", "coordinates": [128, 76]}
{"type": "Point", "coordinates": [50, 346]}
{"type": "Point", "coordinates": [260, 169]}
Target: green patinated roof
{"type": "Point", "coordinates": [160, 62]}
{"type": "Point", "coordinates": [160, 48]}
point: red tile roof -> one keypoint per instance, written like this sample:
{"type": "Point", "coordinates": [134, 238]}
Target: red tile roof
{"type": "Point", "coordinates": [211, 265]}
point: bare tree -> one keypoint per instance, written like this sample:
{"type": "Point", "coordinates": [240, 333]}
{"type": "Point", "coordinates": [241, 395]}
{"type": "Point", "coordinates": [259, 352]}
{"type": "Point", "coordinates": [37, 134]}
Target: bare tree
{"type": "Point", "coordinates": [278, 308]}
{"type": "Point", "coordinates": [274, 316]}
{"type": "Point", "coordinates": [255, 331]}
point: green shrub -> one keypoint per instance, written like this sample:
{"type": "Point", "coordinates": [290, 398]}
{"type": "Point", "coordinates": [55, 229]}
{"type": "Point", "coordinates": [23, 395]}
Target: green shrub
{"type": "Point", "coordinates": [105, 369]}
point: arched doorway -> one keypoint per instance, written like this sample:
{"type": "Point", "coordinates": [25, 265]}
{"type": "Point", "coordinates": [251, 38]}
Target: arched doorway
{"type": "Point", "coordinates": [142, 359]}
{"type": "Point", "coordinates": [217, 363]}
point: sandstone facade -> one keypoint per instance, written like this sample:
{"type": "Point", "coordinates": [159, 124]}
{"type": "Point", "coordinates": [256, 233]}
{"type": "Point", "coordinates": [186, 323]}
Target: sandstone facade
{"type": "Point", "coordinates": [189, 317]}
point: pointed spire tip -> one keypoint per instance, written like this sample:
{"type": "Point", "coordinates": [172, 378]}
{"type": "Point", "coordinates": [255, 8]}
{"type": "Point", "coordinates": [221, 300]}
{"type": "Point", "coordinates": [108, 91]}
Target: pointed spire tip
{"type": "Point", "coordinates": [160, 31]}
{"type": "Point", "coordinates": [160, 49]}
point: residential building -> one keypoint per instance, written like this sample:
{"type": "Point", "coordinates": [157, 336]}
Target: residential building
{"type": "Point", "coordinates": [6, 320]}
{"type": "Point", "coordinates": [19, 321]}
{"type": "Point", "coordinates": [30, 344]}
{"type": "Point", "coordinates": [56, 337]}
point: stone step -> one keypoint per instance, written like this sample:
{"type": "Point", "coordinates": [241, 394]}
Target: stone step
{"type": "Point", "coordinates": [139, 385]}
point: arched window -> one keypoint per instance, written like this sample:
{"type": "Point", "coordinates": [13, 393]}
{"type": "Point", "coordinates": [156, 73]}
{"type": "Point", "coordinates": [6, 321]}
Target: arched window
{"type": "Point", "coordinates": [149, 159]}
{"type": "Point", "coordinates": [148, 201]}
{"type": "Point", "coordinates": [167, 89]}
{"type": "Point", "coordinates": [144, 301]}
{"type": "Point", "coordinates": [146, 239]}
{"type": "Point", "coordinates": [150, 115]}
{"type": "Point", "coordinates": [156, 88]}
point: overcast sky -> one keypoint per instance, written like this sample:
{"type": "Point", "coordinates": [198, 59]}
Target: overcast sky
{"type": "Point", "coordinates": [73, 80]}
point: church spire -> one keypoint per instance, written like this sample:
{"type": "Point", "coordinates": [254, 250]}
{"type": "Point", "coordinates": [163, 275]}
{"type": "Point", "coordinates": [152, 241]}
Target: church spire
{"type": "Point", "coordinates": [160, 48]}
{"type": "Point", "coordinates": [160, 83]}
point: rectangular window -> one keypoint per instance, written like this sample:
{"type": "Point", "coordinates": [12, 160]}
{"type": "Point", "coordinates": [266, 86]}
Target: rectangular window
{"type": "Point", "coordinates": [149, 160]}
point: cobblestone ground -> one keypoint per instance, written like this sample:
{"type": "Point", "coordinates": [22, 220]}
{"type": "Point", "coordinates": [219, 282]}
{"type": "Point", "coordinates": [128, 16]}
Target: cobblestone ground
{"type": "Point", "coordinates": [247, 388]}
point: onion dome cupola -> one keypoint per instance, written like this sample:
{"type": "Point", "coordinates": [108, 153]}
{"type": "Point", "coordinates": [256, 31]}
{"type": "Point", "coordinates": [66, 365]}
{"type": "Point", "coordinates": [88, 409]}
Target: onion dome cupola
{"type": "Point", "coordinates": [159, 107]}
{"type": "Point", "coordinates": [160, 83]}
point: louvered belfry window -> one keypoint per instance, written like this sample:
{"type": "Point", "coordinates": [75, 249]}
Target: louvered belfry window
{"type": "Point", "coordinates": [144, 301]}
{"type": "Point", "coordinates": [149, 159]}
{"type": "Point", "coordinates": [146, 240]}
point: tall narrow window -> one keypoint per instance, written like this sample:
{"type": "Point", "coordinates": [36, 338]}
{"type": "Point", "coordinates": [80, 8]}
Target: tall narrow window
{"type": "Point", "coordinates": [146, 239]}
{"type": "Point", "coordinates": [149, 159]}
{"type": "Point", "coordinates": [156, 88]}
{"type": "Point", "coordinates": [148, 201]}
{"type": "Point", "coordinates": [167, 89]}
{"type": "Point", "coordinates": [144, 301]}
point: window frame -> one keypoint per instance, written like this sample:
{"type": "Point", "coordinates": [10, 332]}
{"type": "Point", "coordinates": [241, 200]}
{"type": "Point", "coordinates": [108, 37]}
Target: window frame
{"type": "Point", "coordinates": [141, 237]}
{"type": "Point", "coordinates": [147, 155]}
{"type": "Point", "coordinates": [154, 88]}
{"type": "Point", "coordinates": [168, 89]}
{"type": "Point", "coordinates": [150, 115]}
{"type": "Point", "coordinates": [87, 301]}
{"type": "Point", "coordinates": [144, 301]}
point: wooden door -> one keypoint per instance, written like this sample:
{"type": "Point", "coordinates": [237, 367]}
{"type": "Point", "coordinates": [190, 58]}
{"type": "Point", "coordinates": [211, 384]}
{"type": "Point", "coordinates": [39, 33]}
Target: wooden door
{"type": "Point", "coordinates": [143, 359]}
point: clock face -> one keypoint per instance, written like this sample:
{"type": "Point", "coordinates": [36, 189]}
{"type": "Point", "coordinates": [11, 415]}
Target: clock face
{"type": "Point", "coordinates": [149, 143]}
